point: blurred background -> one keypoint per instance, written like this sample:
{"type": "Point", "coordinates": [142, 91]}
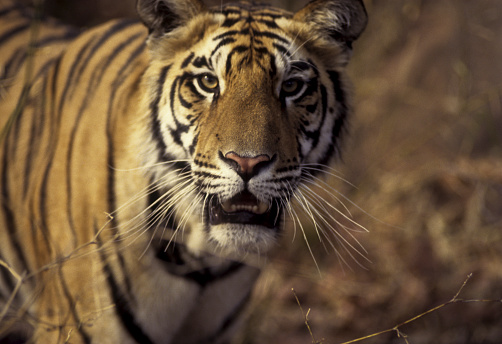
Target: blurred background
{"type": "Point", "coordinates": [423, 174]}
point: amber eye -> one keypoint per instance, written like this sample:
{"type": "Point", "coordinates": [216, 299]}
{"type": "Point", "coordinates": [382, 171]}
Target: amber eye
{"type": "Point", "coordinates": [208, 82]}
{"type": "Point", "coordinates": [291, 87]}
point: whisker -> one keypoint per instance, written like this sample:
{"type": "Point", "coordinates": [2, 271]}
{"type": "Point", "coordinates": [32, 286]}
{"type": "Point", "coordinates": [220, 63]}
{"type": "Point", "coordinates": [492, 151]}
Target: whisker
{"type": "Point", "coordinates": [341, 240]}
{"type": "Point", "coordinates": [341, 213]}
{"type": "Point", "coordinates": [153, 188]}
{"type": "Point", "coordinates": [327, 170]}
{"type": "Point", "coordinates": [317, 180]}
{"type": "Point", "coordinates": [296, 218]}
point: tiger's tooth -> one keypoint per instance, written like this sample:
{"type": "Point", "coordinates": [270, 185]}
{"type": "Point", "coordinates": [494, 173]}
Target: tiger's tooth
{"type": "Point", "coordinates": [228, 207]}
{"type": "Point", "coordinates": [262, 208]}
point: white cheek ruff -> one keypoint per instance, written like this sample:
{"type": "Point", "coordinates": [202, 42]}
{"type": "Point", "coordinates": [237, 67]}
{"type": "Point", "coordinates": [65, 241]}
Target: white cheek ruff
{"type": "Point", "coordinates": [248, 238]}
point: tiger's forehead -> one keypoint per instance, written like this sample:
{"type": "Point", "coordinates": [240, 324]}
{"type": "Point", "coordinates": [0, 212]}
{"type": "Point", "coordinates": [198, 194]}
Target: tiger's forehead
{"type": "Point", "coordinates": [249, 34]}
{"type": "Point", "coordinates": [245, 10]}
{"type": "Point", "coordinates": [255, 21]}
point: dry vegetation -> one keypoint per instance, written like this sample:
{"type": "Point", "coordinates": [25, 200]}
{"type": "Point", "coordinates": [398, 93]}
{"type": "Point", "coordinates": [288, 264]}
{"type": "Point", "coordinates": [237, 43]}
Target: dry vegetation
{"type": "Point", "coordinates": [425, 157]}
{"type": "Point", "coordinates": [425, 162]}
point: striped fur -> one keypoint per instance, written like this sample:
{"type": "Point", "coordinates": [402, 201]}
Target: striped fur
{"type": "Point", "coordinates": [146, 167]}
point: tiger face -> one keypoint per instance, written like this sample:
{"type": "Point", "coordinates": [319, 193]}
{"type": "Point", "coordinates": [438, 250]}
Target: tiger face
{"type": "Point", "coordinates": [247, 98]}
{"type": "Point", "coordinates": [116, 148]}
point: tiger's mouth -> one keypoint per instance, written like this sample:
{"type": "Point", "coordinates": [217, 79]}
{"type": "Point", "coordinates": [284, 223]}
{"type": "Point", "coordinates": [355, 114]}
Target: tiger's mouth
{"type": "Point", "coordinates": [244, 208]}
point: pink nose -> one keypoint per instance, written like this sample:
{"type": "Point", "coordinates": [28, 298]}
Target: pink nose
{"type": "Point", "coordinates": [247, 165]}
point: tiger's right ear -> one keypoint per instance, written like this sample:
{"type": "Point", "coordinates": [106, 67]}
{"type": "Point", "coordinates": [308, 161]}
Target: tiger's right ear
{"type": "Point", "coordinates": [341, 20]}
{"type": "Point", "coordinates": [162, 16]}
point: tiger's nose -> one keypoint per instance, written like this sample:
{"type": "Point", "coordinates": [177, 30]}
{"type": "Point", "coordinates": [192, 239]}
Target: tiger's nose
{"type": "Point", "coordinates": [247, 167]}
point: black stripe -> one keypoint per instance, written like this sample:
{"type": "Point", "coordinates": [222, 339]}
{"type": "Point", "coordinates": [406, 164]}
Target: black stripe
{"type": "Point", "coordinates": [230, 319]}
{"type": "Point", "coordinates": [154, 115]}
{"type": "Point", "coordinates": [315, 135]}
{"type": "Point", "coordinates": [271, 13]}
{"type": "Point", "coordinates": [66, 36]}
{"type": "Point", "coordinates": [311, 88]}
{"type": "Point", "coordinates": [103, 38]}
{"type": "Point", "coordinates": [341, 115]}
{"type": "Point", "coordinates": [12, 32]}
{"type": "Point", "coordinates": [43, 70]}
{"type": "Point", "coordinates": [273, 67]}
{"type": "Point", "coordinates": [122, 74]}
{"type": "Point", "coordinates": [9, 9]}
{"type": "Point", "coordinates": [13, 64]}
{"type": "Point", "coordinates": [43, 198]}
{"type": "Point", "coordinates": [51, 150]}
{"type": "Point", "coordinates": [92, 86]}
{"type": "Point", "coordinates": [18, 113]}
{"type": "Point", "coordinates": [231, 10]}
{"type": "Point", "coordinates": [187, 60]}
{"type": "Point", "coordinates": [341, 99]}
{"type": "Point", "coordinates": [301, 65]}
{"type": "Point", "coordinates": [7, 278]}
{"type": "Point", "coordinates": [196, 93]}
{"type": "Point", "coordinates": [224, 42]}
{"type": "Point", "coordinates": [229, 66]}
{"type": "Point", "coordinates": [191, 149]}
{"type": "Point", "coordinates": [229, 22]}
{"type": "Point", "coordinates": [185, 103]}
{"type": "Point", "coordinates": [205, 276]}
{"type": "Point", "coordinates": [200, 62]}
{"type": "Point", "coordinates": [271, 35]}
{"type": "Point", "coordinates": [226, 34]}
{"type": "Point", "coordinates": [35, 136]}
{"type": "Point", "coordinates": [73, 308]}
{"type": "Point", "coordinates": [283, 50]}
{"type": "Point", "coordinates": [9, 214]}
{"type": "Point", "coordinates": [262, 52]}
{"type": "Point", "coordinates": [172, 254]}
{"type": "Point", "coordinates": [73, 68]}
{"type": "Point", "coordinates": [158, 209]}
{"type": "Point", "coordinates": [6, 201]}
{"type": "Point", "coordinates": [122, 307]}
{"type": "Point", "coordinates": [269, 23]}
{"type": "Point", "coordinates": [180, 128]}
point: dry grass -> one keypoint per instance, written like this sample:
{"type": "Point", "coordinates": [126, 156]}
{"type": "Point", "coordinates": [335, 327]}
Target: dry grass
{"type": "Point", "coordinates": [425, 155]}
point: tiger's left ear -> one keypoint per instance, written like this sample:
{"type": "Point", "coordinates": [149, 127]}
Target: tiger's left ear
{"type": "Point", "coordinates": [163, 16]}
{"type": "Point", "coordinates": [341, 20]}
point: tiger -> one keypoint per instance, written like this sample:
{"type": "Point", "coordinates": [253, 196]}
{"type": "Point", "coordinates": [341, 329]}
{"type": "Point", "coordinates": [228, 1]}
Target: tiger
{"type": "Point", "coordinates": [148, 166]}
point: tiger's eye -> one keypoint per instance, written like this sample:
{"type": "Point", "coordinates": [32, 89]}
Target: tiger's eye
{"type": "Point", "coordinates": [291, 87]}
{"type": "Point", "coordinates": [208, 82]}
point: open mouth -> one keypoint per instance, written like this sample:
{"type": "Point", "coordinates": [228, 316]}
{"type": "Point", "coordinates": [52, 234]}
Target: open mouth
{"type": "Point", "coordinates": [244, 208]}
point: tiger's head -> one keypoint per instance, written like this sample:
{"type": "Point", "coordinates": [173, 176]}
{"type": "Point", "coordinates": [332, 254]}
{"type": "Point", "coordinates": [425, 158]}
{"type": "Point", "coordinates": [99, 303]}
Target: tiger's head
{"type": "Point", "coordinates": [243, 102]}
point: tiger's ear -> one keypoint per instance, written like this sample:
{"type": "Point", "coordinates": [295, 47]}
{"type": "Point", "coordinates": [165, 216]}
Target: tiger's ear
{"type": "Point", "coordinates": [162, 16]}
{"type": "Point", "coordinates": [341, 20]}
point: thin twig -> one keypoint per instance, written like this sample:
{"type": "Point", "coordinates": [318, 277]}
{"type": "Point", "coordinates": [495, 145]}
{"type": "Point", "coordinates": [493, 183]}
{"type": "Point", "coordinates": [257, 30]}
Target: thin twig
{"type": "Point", "coordinates": [306, 318]}
{"type": "Point", "coordinates": [20, 279]}
{"type": "Point", "coordinates": [396, 329]}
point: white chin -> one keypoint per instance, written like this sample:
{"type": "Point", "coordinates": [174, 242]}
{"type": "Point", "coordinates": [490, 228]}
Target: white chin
{"type": "Point", "coordinates": [241, 238]}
